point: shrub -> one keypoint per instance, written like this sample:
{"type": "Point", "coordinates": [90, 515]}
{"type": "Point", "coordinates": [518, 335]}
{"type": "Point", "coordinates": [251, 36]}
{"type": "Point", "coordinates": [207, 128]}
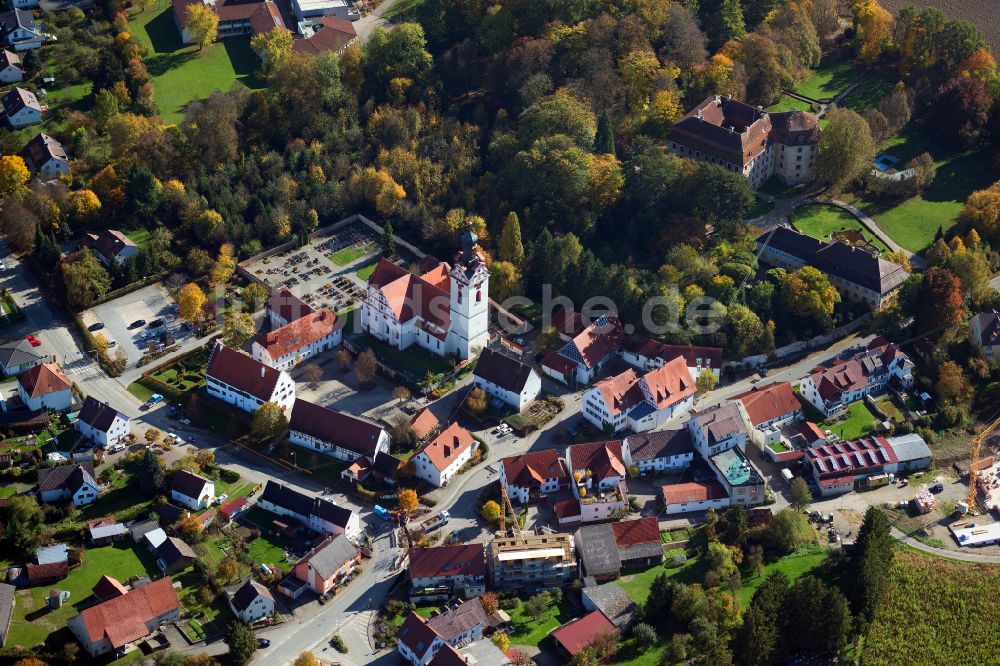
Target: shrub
{"type": "Point", "coordinates": [338, 644]}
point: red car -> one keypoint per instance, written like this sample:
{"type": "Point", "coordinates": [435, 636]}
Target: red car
{"type": "Point", "coordinates": [33, 341]}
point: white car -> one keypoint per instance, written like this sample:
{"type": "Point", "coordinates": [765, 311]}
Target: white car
{"type": "Point", "coordinates": [115, 448]}
{"type": "Point", "coordinates": [221, 498]}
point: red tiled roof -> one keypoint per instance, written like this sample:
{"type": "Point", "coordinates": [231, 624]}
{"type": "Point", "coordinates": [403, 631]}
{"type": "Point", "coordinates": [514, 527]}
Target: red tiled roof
{"type": "Point", "coordinates": [123, 619]}
{"type": "Point", "coordinates": [577, 634]}
{"type": "Point", "coordinates": [442, 561]}
{"type": "Point", "coordinates": [640, 345]}
{"type": "Point", "coordinates": [620, 392]}
{"type": "Point", "coordinates": [603, 459]}
{"type": "Point", "coordinates": [262, 14]}
{"type": "Point", "coordinates": [566, 508]}
{"type": "Point", "coordinates": [424, 423]}
{"type": "Point", "coordinates": [410, 296]}
{"type": "Point", "coordinates": [109, 588]}
{"type": "Point", "coordinates": [39, 573]}
{"type": "Point", "coordinates": [43, 379]}
{"type": "Point", "coordinates": [559, 363]}
{"type": "Point", "coordinates": [533, 468]}
{"type": "Point", "coordinates": [670, 383]}
{"type": "Point", "coordinates": [766, 403]}
{"type": "Point", "coordinates": [231, 507]}
{"type": "Point", "coordinates": [415, 634]}
{"type": "Point", "coordinates": [445, 449]}
{"type": "Point", "coordinates": [634, 532]}
{"type": "Point", "coordinates": [692, 491]}
{"type": "Point", "coordinates": [597, 341]}
{"type": "Point", "coordinates": [300, 333]}
{"type": "Point", "coordinates": [288, 306]}
{"type": "Point", "coordinates": [240, 371]}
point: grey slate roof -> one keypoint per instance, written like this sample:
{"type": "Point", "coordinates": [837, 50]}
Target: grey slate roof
{"type": "Point", "coordinates": [6, 607]}
{"type": "Point", "coordinates": [719, 422]}
{"type": "Point", "coordinates": [14, 354]}
{"type": "Point", "coordinates": [244, 594]}
{"type": "Point", "coordinates": [326, 559]}
{"type": "Point", "coordinates": [909, 447]}
{"type": "Point", "coordinates": [458, 619]}
{"type": "Point", "coordinates": [141, 528]}
{"type": "Point", "coordinates": [188, 484]}
{"type": "Point", "coordinates": [986, 328]}
{"type": "Point", "coordinates": [305, 506]}
{"type": "Point", "coordinates": [659, 444]}
{"type": "Point", "coordinates": [70, 477]}
{"type": "Point", "coordinates": [97, 414]}
{"type": "Point", "coordinates": [173, 549]}
{"type": "Point", "coordinates": [612, 600]}
{"type": "Point", "coordinates": [105, 531]}
{"type": "Point", "coordinates": [837, 258]}
{"type": "Point", "coordinates": [597, 550]}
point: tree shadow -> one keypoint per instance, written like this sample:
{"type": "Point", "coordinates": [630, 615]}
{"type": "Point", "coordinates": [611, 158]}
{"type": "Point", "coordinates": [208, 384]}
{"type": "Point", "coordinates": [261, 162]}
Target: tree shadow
{"type": "Point", "coordinates": [158, 65]}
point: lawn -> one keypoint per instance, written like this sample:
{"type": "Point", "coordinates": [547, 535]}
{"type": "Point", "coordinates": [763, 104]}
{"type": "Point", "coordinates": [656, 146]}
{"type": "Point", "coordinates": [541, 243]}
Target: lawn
{"type": "Point", "coordinates": [821, 221]}
{"type": "Point", "coordinates": [32, 622]}
{"type": "Point", "coordinates": [140, 391]}
{"type": "Point", "coordinates": [183, 73]}
{"type": "Point", "coordinates": [890, 409]}
{"type": "Point", "coordinates": [827, 81]}
{"type": "Point", "coordinates": [860, 421]}
{"type": "Point", "coordinates": [528, 631]}
{"type": "Point", "coordinates": [140, 237]}
{"type": "Point", "coordinates": [786, 103]}
{"type": "Point", "coordinates": [267, 550]}
{"type": "Point", "coordinates": [870, 92]}
{"type": "Point", "coordinates": [417, 362]}
{"type": "Point", "coordinates": [402, 9]}
{"type": "Point", "coordinates": [366, 271]}
{"type": "Point", "coordinates": [943, 612]}
{"type": "Point", "coordinates": [349, 255]}
{"type": "Point", "coordinates": [913, 222]}
{"type": "Point", "coordinates": [793, 566]}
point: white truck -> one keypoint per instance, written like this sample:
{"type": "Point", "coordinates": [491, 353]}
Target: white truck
{"type": "Point", "coordinates": [435, 522]}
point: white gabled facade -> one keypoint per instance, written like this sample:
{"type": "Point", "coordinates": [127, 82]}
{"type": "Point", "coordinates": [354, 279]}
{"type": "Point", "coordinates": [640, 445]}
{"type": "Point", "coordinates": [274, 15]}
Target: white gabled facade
{"type": "Point", "coordinates": [532, 389]}
{"type": "Point", "coordinates": [241, 381]}
{"type": "Point", "coordinates": [284, 394]}
{"type": "Point", "coordinates": [116, 432]}
{"type": "Point", "coordinates": [296, 356]}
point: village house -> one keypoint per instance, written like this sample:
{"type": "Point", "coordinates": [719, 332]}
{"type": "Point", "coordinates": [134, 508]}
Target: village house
{"type": "Point", "coordinates": [596, 467]}
{"type": "Point", "coordinates": [578, 362]}
{"type": "Point", "coordinates": [612, 600]}
{"type": "Point", "coordinates": [748, 140]}
{"type": "Point", "coordinates": [658, 451]}
{"type": "Point", "coordinates": [336, 434]}
{"type": "Point", "coordinates": [239, 380]}
{"type": "Point", "coordinates": [419, 640]}
{"type": "Point", "coordinates": [857, 273]}
{"type": "Point", "coordinates": [316, 513]}
{"type": "Point", "coordinates": [609, 550]}
{"type": "Point", "coordinates": [284, 307]}
{"type": "Point", "coordinates": [190, 490]}
{"type": "Point", "coordinates": [571, 638]}
{"type": "Point", "coordinates": [767, 408]}
{"type": "Point", "coordinates": [45, 387]}
{"type": "Point", "coordinates": [101, 423]}
{"type": "Point", "coordinates": [108, 588]}
{"type": "Point", "coordinates": [834, 388]}
{"type": "Point", "coordinates": [328, 564]}
{"type": "Point", "coordinates": [424, 423]}
{"type": "Point", "coordinates": [114, 625]}
{"type": "Point", "coordinates": [21, 108]}
{"type": "Point", "coordinates": [75, 482]}
{"type": "Point", "coordinates": [984, 332]}
{"type": "Point", "coordinates": [18, 356]}
{"type": "Point", "coordinates": [648, 354]}
{"type": "Point", "coordinates": [694, 496]}
{"type": "Point", "coordinates": [19, 30]}
{"type": "Point", "coordinates": [110, 246]}
{"type": "Point", "coordinates": [325, 34]}
{"type": "Point", "coordinates": [636, 403]}
{"type": "Point", "coordinates": [46, 156]}
{"type": "Point", "coordinates": [10, 67]}
{"type": "Point", "coordinates": [445, 309]}
{"type": "Point", "coordinates": [531, 561]}
{"type": "Point", "coordinates": [718, 429]}
{"type": "Point", "coordinates": [250, 601]}
{"type": "Point", "coordinates": [514, 383]}
{"type": "Point", "coordinates": [439, 460]}
{"type": "Point", "coordinates": [441, 573]}
{"type": "Point", "coordinates": [531, 476]}
{"type": "Point", "coordinates": [173, 555]}
{"type": "Point", "coordinates": [298, 341]}
{"type": "Point", "coordinates": [233, 508]}
{"type": "Point", "coordinates": [742, 481]}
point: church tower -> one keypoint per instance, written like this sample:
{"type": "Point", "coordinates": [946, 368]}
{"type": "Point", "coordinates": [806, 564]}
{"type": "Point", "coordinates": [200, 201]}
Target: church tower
{"type": "Point", "coordinates": [470, 299]}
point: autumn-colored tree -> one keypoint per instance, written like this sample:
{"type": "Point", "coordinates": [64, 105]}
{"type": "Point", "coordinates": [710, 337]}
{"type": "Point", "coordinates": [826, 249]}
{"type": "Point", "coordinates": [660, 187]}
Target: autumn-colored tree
{"type": "Point", "coordinates": [366, 366]}
{"type": "Point", "coordinates": [408, 500]}
{"type": "Point", "coordinates": [207, 223]}
{"type": "Point", "coordinates": [501, 640]}
{"type": "Point", "coordinates": [401, 394]}
{"type": "Point", "coordinates": [306, 659]}
{"type": "Point", "coordinates": [476, 401]}
{"type": "Point", "coordinates": [237, 328]}
{"type": "Point", "coordinates": [272, 48]}
{"type": "Point", "coordinates": [31, 661]}
{"type": "Point", "coordinates": [490, 602]}
{"type": "Point", "coordinates": [982, 212]}
{"type": "Point", "coordinates": [809, 294]}
{"type": "Point", "coordinates": [225, 265]}
{"type": "Point", "coordinates": [86, 280]}
{"type": "Point", "coordinates": [190, 299]}
{"type": "Point", "coordinates": [84, 205]}
{"type": "Point", "coordinates": [205, 458]}
{"type": "Point", "coordinates": [953, 387]}
{"type": "Point", "coordinates": [268, 421]}
{"type": "Point", "coordinates": [202, 23]}
{"type": "Point", "coordinates": [344, 358]}
{"type": "Point", "coordinates": [939, 304]}
{"type": "Point", "coordinates": [506, 281]}
{"type": "Point", "coordinates": [229, 568]}
{"type": "Point", "coordinates": [873, 27]}
{"type": "Point", "coordinates": [14, 176]}
{"type": "Point", "coordinates": [901, 257]}
{"type": "Point", "coordinates": [189, 527]}
{"type": "Point", "coordinates": [312, 373]}
{"type": "Point", "coordinates": [254, 296]}
{"type": "Point", "coordinates": [491, 512]}
{"type": "Point", "coordinates": [964, 109]}
{"type": "Point", "coordinates": [152, 435]}
{"type": "Point", "coordinates": [706, 381]}
{"type": "Point", "coordinates": [379, 189]}
{"type": "Point", "coordinates": [980, 65]}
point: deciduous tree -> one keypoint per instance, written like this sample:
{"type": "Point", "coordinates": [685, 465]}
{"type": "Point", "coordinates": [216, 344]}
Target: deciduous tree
{"type": "Point", "coordinates": [237, 328]}
{"type": "Point", "coordinates": [312, 373]}
{"type": "Point", "coordinates": [953, 385]}
{"type": "Point", "coordinates": [408, 500]}
{"type": "Point", "coordinates": [202, 23]}
{"type": "Point", "coordinates": [801, 495]}
{"type": "Point", "coordinates": [272, 48]}
{"type": "Point", "coordinates": [254, 296]}
{"type": "Point", "coordinates": [846, 148]}
{"type": "Point", "coordinates": [85, 278]}
{"type": "Point", "coordinates": [706, 381]}
{"type": "Point", "coordinates": [268, 421]}
{"type": "Point", "coordinates": [476, 401]}
{"type": "Point", "coordinates": [366, 367]}
{"type": "Point", "coordinates": [14, 176]}
{"type": "Point", "coordinates": [240, 639]}
{"type": "Point", "coordinates": [190, 300]}
{"type": "Point", "coordinates": [491, 512]}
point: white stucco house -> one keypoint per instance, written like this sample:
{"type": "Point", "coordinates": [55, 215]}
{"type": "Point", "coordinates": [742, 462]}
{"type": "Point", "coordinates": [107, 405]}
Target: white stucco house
{"type": "Point", "coordinates": [241, 381]}
{"type": "Point", "coordinates": [298, 341]}
{"type": "Point", "coordinates": [193, 491]}
{"type": "Point", "coordinates": [532, 476]}
{"type": "Point", "coordinates": [250, 601]}
{"type": "Point", "coordinates": [45, 387]}
{"type": "Point", "coordinates": [316, 513]}
{"type": "Point", "coordinates": [636, 403]}
{"type": "Point", "coordinates": [21, 108]}
{"type": "Point", "coordinates": [101, 423]}
{"type": "Point", "coordinates": [74, 482]}
{"type": "Point", "coordinates": [438, 461]}
{"type": "Point", "coordinates": [514, 383]}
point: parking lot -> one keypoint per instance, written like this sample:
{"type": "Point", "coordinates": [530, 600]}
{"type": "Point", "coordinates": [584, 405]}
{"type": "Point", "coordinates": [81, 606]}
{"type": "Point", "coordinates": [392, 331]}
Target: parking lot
{"type": "Point", "coordinates": [148, 304]}
{"type": "Point", "coordinates": [312, 273]}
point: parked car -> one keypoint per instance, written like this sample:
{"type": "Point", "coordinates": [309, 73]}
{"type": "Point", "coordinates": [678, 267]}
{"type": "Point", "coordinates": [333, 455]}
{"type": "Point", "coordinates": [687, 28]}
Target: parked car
{"type": "Point", "coordinates": [937, 488]}
{"type": "Point", "coordinates": [156, 323]}
{"type": "Point", "coordinates": [96, 326]}
{"type": "Point", "coordinates": [138, 323]}
{"type": "Point", "coordinates": [33, 341]}
{"type": "Point", "coordinates": [263, 643]}
{"type": "Point", "coordinates": [112, 342]}
{"type": "Point", "coordinates": [221, 498]}
{"type": "Point", "coordinates": [115, 448]}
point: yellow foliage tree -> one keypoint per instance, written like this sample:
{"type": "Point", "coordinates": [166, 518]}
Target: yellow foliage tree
{"type": "Point", "coordinates": [379, 188]}
{"type": "Point", "coordinates": [108, 187]}
{"type": "Point", "coordinates": [14, 176]}
{"type": "Point", "coordinates": [190, 300]}
{"type": "Point", "coordinates": [491, 512]}
{"type": "Point", "coordinates": [476, 401]}
{"type": "Point", "coordinates": [272, 48]}
{"type": "Point", "coordinates": [665, 108]}
{"type": "Point", "coordinates": [873, 25]}
{"type": "Point", "coordinates": [606, 181]}
{"type": "Point", "coordinates": [225, 265]}
{"type": "Point", "coordinates": [202, 23]}
{"type": "Point", "coordinates": [84, 205]}
{"type": "Point", "coordinates": [902, 258]}
{"type": "Point", "coordinates": [982, 211]}
{"type": "Point", "coordinates": [408, 500]}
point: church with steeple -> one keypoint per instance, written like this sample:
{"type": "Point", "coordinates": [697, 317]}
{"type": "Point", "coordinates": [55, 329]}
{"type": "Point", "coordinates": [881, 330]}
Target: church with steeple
{"type": "Point", "coordinates": [441, 307]}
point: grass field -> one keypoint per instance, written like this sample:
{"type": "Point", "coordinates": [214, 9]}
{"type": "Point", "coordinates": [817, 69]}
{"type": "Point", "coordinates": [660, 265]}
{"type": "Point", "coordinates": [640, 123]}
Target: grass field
{"type": "Point", "coordinates": [402, 9]}
{"type": "Point", "coordinates": [913, 222]}
{"type": "Point", "coordinates": [859, 420]}
{"type": "Point", "coordinates": [529, 632]}
{"type": "Point", "coordinates": [417, 362]}
{"type": "Point", "coordinates": [349, 255]}
{"type": "Point", "coordinates": [183, 73]}
{"type": "Point", "coordinates": [140, 237]}
{"type": "Point", "coordinates": [366, 271]}
{"type": "Point", "coordinates": [827, 81]}
{"type": "Point", "coordinates": [942, 611]}
{"type": "Point", "coordinates": [821, 221]}
{"type": "Point", "coordinates": [870, 92]}
{"type": "Point", "coordinates": [32, 622]}
{"type": "Point", "coordinates": [786, 103]}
